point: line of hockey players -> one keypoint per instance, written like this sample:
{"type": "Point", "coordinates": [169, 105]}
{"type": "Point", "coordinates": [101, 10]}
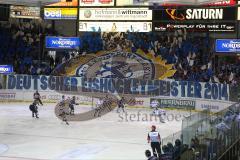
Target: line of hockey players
{"type": "Point", "coordinates": [101, 105]}
{"type": "Point", "coordinates": [34, 106]}
{"type": "Point", "coordinates": [68, 110]}
{"type": "Point", "coordinates": [37, 101]}
{"type": "Point", "coordinates": [106, 103]}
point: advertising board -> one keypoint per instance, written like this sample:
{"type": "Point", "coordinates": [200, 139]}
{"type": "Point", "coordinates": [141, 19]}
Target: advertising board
{"type": "Point", "coordinates": [91, 3]}
{"type": "Point", "coordinates": [60, 13]}
{"type": "Point", "coordinates": [115, 26]}
{"type": "Point", "coordinates": [62, 42]}
{"type": "Point", "coordinates": [174, 103]}
{"type": "Point", "coordinates": [126, 14]}
{"type": "Point", "coordinates": [6, 69]}
{"type": "Point", "coordinates": [227, 45]}
{"type": "Point", "coordinates": [195, 14]}
{"type": "Point", "coordinates": [194, 27]}
{"type": "Point", "coordinates": [24, 12]}
{"type": "Point", "coordinates": [67, 3]}
{"type": "Point", "coordinates": [132, 3]}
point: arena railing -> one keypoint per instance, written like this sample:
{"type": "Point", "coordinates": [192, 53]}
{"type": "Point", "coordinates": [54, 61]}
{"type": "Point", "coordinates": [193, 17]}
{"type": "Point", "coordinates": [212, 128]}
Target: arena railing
{"type": "Point", "coordinates": [172, 138]}
{"type": "Point", "coordinates": [195, 125]}
{"type": "Point", "coordinates": [215, 133]}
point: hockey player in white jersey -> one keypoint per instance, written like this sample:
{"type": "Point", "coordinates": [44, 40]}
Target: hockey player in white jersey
{"type": "Point", "coordinates": [98, 108]}
{"type": "Point", "coordinates": [154, 104]}
{"type": "Point", "coordinates": [99, 102]}
{"type": "Point", "coordinates": [158, 112]}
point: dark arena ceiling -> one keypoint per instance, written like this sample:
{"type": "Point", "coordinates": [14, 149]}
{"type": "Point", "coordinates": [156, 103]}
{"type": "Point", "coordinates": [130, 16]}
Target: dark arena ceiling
{"type": "Point", "coordinates": [46, 2]}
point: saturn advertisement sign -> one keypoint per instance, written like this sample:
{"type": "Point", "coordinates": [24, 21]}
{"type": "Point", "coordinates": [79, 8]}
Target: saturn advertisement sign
{"type": "Point", "coordinates": [194, 14]}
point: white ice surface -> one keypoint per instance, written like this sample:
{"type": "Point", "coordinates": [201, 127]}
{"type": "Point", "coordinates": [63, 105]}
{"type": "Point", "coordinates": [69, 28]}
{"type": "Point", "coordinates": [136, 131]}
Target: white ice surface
{"type": "Point", "coordinates": [105, 138]}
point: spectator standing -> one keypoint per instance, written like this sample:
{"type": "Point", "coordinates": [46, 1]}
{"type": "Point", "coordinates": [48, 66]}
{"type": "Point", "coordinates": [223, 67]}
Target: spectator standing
{"type": "Point", "coordinates": [149, 157]}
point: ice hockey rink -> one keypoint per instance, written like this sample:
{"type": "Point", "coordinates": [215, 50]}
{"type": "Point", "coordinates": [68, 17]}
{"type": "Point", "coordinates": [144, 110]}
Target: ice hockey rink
{"type": "Point", "coordinates": [109, 137]}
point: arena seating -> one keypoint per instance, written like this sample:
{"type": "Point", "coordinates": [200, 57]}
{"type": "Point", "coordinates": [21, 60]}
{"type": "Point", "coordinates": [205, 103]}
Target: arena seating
{"type": "Point", "coordinates": [21, 45]}
{"type": "Point", "coordinates": [191, 55]}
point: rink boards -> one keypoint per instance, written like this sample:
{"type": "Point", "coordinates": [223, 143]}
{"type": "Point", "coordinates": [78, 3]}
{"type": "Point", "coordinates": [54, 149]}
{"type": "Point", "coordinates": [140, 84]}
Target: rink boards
{"type": "Point", "coordinates": [173, 103]}
{"type": "Point", "coordinates": [170, 93]}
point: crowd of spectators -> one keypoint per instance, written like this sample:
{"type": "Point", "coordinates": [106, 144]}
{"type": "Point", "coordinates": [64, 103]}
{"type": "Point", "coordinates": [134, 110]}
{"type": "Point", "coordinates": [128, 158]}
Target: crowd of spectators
{"type": "Point", "coordinates": [229, 71]}
{"type": "Point", "coordinates": [192, 56]}
{"type": "Point", "coordinates": [21, 45]}
{"type": "Point", "coordinates": [170, 151]}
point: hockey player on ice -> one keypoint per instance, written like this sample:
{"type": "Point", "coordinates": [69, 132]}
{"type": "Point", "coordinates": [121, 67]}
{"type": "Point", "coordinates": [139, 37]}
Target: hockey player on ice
{"type": "Point", "coordinates": [62, 101]}
{"type": "Point", "coordinates": [156, 111]}
{"type": "Point", "coordinates": [154, 104]}
{"type": "Point", "coordinates": [34, 109]}
{"type": "Point", "coordinates": [121, 103]}
{"type": "Point", "coordinates": [63, 114]}
{"type": "Point", "coordinates": [99, 107]}
{"type": "Point", "coordinates": [71, 105]}
{"type": "Point", "coordinates": [99, 102]}
{"type": "Point", "coordinates": [37, 98]}
{"type": "Point", "coordinates": [159, 113]}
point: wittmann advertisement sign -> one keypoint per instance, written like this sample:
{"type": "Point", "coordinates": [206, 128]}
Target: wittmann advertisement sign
{"type": "Point", "coordinates": [115, 14]}
{"type": "Point", "coordinates": [24, 12]}
{"type": "Point", "coordinates": [194, 27]}
{"type": "Point", "coordinates": [91, 3]}
{"type": "Point", "coordinates": [195, 14]}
